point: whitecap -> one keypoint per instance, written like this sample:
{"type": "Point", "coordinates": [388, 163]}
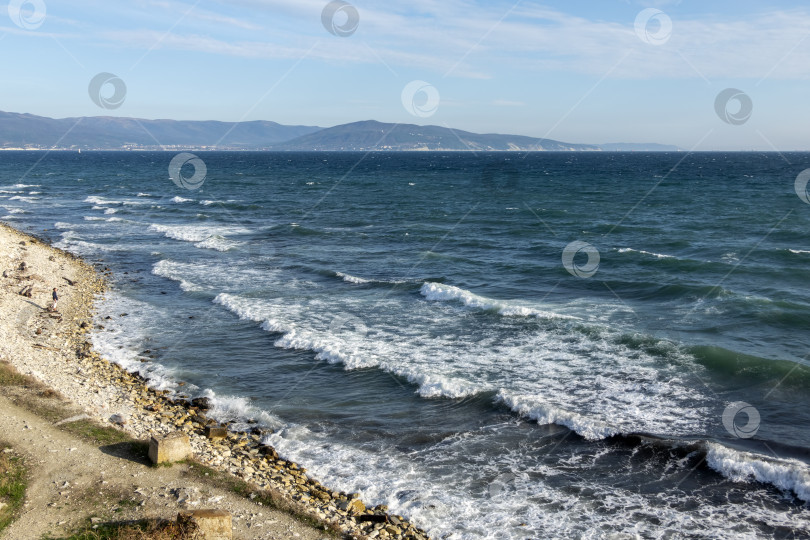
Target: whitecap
{"type": "Point", "coordinates": [352, 279]}
{"type": "Point", "coordinates": [786, 474]}
{"type": "Point", "coordinates": [439, 292]}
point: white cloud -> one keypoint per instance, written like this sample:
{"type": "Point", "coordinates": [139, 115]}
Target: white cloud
{"type": "Point", "coordinates": [470, 40]}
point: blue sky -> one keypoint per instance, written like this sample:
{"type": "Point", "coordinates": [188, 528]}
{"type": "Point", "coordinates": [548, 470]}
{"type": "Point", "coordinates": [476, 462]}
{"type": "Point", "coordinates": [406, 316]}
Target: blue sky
{"type": "Point", "coordinates": [577, 71]}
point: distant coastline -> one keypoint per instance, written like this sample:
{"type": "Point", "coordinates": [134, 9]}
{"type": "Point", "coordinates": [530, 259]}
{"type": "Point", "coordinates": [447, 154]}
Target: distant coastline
{"type": "Point", "coordinates": [97, 133]}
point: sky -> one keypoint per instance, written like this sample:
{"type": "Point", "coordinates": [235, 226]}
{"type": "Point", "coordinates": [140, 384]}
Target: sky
{"type": "Point", "coordinates": [719, 75]}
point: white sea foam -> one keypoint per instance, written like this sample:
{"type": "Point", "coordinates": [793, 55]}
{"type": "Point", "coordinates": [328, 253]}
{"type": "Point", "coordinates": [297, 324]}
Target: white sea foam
{"type": "Point", "coordinates": [195, 233]}
{"type": "Point", "coordinates": [143, 195]}
{"type": "Point", "coordinates": [535, 409]}
{"type": "Point", "coordinates": [799, 251]}
{"type": "Point", "coordinates": [110, 211]}
{"type": "Point", "coordinates": [207, 203]}
{"type": "Point", "coordinates": [593, 386]}
{"type": "Point", "coordinates": [439, 292]}
{"type": "Point", "coordinates": [513, 495]}
{"type": "Point", "coordinates": [209, 277]}
{"type": "Point", "coordinates": [17, 211]}
{"type": "Point", "coordinates": [352, 279]}
{"type": "Point", "coordinates": [650, 253]}
{"type": "Point", "coordinates": [180, 200]}
{"type": "Point", "coordinates": [76, 246]}
{"type": "Point", "coordinates": [92, 199]}
{"type": "Point", "coordinates": [123, 338]}
{"type": "Point", "coordinates": [24, 199]}
{"type": "Point", "coordinates": [174, 271]}
{"type": "Point", "coordinates": [786, 474]}
{"type": "Point", "coordinates": [217, 243]}
{"type": "Point", "coordinates": [94, 218]}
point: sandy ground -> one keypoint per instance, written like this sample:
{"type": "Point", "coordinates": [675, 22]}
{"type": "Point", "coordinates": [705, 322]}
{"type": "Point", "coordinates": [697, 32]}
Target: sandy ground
{"type": "Point", "coordinates": [72, 480]}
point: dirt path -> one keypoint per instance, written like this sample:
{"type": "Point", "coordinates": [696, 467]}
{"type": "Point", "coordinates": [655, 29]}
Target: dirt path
{"type": "Point", "coordinates": [73, 481]}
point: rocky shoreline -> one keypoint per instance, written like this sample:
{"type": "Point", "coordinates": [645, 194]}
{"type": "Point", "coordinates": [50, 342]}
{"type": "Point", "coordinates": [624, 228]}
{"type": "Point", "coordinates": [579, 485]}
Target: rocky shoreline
{"type": "Point", "coordinates": [111, 394]}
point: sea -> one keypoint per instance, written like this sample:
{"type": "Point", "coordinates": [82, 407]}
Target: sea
{"type": "Point", "coordinates": [495, 345]}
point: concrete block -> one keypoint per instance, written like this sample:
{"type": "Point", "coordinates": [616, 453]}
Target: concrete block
{"type": "Point", "coordinates": [210, 524]}
{"type": "Point", "coordinates": [216, 433]}
{"type": "Point", "coordinates": [168, 449]}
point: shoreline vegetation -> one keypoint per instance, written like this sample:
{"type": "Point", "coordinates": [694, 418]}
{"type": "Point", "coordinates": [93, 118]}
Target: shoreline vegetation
{"type": "Point", "coordinates": [54, 349]}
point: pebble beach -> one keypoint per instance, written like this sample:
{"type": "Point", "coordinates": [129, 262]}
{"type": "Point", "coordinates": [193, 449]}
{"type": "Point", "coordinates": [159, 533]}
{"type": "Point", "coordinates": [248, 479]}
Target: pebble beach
{"type": "Point", "coordinates": [55, 348]}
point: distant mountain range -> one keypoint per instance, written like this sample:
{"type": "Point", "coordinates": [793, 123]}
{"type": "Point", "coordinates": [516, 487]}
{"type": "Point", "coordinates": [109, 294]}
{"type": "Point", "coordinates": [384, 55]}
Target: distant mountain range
{"type": "Point", "coordinates": [115, 133]}
{"type": "Point", "coordinates": [108, 133]}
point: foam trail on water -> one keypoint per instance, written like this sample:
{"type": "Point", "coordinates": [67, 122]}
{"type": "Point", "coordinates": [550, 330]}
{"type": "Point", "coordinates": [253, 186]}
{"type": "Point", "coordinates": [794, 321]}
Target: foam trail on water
{"type": "Point", "coordinates": [650, 253]}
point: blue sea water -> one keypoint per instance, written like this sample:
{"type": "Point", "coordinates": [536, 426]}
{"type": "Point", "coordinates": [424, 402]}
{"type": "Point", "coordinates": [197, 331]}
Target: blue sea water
{"type": "Point", "coordinates": [551, 345]}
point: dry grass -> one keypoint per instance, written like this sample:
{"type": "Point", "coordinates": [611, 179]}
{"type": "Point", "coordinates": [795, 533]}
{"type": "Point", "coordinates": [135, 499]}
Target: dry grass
{"type": "Point", "coordinates": [11, 377]}
{"type": "Point", "coordinates": [148, 529]}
